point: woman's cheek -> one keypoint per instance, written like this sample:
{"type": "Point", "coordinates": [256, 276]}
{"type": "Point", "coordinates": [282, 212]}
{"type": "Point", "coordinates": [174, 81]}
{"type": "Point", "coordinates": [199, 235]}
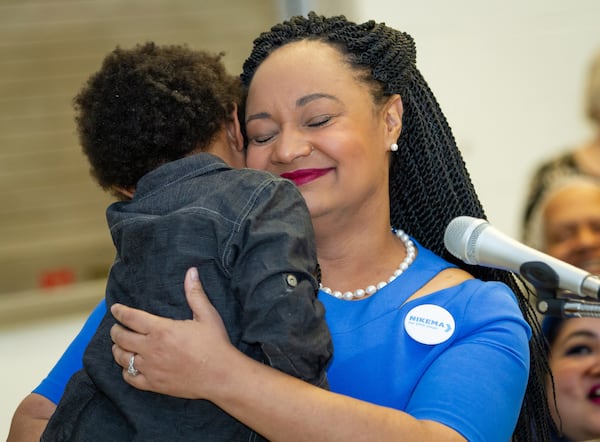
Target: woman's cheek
{"type": "Point", "coordinates": [255, 160]}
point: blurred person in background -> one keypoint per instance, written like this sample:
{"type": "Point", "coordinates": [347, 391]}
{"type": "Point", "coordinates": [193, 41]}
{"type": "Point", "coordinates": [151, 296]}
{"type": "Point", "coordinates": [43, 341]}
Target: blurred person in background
{"type": "Point", "coordinates": [565, 223]}
{"type": "Point", "coordinates": [583, 159]}
{"type": "Point", "coordinates": [574, 398]}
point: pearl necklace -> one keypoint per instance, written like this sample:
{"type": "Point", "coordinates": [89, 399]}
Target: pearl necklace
{"type": "Point", "coordinates": [370, 290]}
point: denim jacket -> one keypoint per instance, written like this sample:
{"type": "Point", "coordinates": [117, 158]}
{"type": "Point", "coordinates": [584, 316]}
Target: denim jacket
{"type": "Point", "coordinates": [250, 236]}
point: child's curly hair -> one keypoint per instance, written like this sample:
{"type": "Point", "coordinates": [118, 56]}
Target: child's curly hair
{"type": "Point", "coordinates": [150, 105]}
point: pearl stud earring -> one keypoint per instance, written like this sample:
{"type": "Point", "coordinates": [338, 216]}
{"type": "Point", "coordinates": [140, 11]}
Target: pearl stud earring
{"type": "Point", "coordinates": [393, 147]}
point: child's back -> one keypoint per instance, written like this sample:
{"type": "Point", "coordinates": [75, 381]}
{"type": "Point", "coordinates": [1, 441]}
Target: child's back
{"type": "Point", "coordinates": [250, 235]}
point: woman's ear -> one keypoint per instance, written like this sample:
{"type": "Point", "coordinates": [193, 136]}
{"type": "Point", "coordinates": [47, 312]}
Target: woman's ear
{"type": "Point", "coordinates": [392, 112]}
{"type": "Point", "coordinates": [234, 131]}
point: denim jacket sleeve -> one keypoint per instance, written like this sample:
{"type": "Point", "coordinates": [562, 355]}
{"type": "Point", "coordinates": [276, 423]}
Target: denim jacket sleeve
{"type": "Point", "coordinates": [275, 279]}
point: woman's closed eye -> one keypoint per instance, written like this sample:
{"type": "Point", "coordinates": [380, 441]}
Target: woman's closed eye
{"type": "Point", "coordinates": [260, 139]}
{"type": "Point", "coordinates": [319, 121]}
{"type": "Point", "coordinates": [578, 350]}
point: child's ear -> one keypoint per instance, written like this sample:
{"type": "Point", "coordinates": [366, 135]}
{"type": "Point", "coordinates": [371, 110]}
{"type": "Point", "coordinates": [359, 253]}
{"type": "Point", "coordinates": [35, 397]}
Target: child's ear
{"type": "Point", "coordinates": [127, 192]}
{"type": "Point", "coordinates": [234, 131]}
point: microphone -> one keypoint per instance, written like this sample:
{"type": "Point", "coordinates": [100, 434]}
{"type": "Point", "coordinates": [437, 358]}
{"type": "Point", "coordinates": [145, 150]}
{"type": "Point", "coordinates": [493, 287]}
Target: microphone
{"type": "Point", "coordinates": [475, 241]}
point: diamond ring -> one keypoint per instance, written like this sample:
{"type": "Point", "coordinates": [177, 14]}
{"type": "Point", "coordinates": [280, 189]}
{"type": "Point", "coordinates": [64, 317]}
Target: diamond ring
{"type": "Point", "coordinates": [131, 369]}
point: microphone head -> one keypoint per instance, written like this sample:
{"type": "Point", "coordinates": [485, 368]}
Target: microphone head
{"type": "Point", "coordinates": [476, 242]}
{"type": "Point", "coordinates": [460, 237]}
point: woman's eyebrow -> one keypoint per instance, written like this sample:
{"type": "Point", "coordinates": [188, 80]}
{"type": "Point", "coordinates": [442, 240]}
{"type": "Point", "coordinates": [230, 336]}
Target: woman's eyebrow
{"type": "Point", "coordinates": [258, 116]}
{"type": "Point", "coordinates": [580, 334]}
{"type": "Point", "coordinates": [311, 97]}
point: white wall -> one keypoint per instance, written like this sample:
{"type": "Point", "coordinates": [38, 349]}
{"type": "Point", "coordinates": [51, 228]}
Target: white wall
{"type": "Point", "coordinates": [508, 75]}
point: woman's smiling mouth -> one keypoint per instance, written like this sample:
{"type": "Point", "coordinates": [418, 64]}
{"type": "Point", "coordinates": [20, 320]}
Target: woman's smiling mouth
{"type": "Point", "coordinates": [303, 176]}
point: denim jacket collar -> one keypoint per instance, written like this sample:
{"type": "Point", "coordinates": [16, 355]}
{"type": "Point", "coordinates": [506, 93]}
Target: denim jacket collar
{"type": "Point", "coordinates": [185, 168]}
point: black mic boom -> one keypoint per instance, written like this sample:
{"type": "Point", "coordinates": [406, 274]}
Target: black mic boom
{"type": "Point", "coordinates": [475, 241]}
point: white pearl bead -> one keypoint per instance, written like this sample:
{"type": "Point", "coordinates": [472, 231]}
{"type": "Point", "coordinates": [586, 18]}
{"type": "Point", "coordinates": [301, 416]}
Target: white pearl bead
{"type": "Point", "coordinates": [372, 289]}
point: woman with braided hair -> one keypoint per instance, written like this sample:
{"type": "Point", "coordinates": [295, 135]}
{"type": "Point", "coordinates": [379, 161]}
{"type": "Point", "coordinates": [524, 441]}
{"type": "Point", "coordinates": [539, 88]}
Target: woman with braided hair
{"type": "Point", "coordinates": [425, 347]}
{"type": "Point", "coordinates": [333, 105]}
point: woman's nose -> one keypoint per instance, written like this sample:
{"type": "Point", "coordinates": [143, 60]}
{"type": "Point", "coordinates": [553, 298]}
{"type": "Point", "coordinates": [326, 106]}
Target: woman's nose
{"type": "Point", "coordinates": [595, 367]}
{"type": "Point", "coordinates": [291, 146]}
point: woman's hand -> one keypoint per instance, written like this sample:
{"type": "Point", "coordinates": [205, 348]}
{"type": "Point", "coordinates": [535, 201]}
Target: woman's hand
{"type": "Point", "coordinates": [194, 359]}
{"type": "Point", "coordinates": [174, 357]}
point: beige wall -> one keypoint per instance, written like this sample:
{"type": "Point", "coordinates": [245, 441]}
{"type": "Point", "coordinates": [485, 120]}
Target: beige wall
{"type": "Point", "coordinates": [51, 212]}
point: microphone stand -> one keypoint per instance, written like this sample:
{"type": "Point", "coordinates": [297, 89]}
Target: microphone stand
{"type": "Point", "coordinates": [545, 281]}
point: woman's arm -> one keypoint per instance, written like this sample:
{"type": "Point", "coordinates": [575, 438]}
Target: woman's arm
{"type": "Point", "coordinates": [32, 414]}
{"type": "Point", "coordinates": [30, 418]}
{"type": "Point", "coordinates": [194, 359]}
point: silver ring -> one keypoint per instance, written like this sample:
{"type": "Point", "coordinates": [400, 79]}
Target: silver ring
{"type": "Point", "coordinates": [131, 369]}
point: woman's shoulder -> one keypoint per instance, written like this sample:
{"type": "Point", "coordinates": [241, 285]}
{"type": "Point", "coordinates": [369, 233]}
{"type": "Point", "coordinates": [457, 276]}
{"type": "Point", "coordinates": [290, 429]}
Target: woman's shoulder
{"type": "Point", "coordinates": [440, 273]}
{"type": "Point", "coordinates": [446, 278]}
{"type": "Point", "coordinates": [449, 281]}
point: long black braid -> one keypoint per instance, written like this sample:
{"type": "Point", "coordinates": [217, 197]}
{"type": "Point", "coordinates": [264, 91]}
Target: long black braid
{"type": "Point", "coordinates": [429, 183]}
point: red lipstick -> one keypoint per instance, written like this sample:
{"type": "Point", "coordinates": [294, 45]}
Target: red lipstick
{"type": "Point", "coordinates": [594, 394]}
{"type": "Point", "coordinates": [303, 176]}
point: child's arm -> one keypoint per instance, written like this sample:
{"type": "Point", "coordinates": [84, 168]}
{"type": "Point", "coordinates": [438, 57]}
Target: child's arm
{"type": "Point", "coordinates": [275, 281]}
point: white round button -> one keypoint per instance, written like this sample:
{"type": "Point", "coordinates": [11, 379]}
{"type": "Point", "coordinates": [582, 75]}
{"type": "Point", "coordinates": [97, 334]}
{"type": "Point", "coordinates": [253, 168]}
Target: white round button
{"type": "Point", "coordinates": [429, 324]}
